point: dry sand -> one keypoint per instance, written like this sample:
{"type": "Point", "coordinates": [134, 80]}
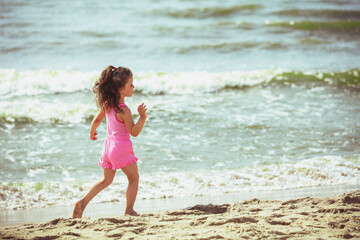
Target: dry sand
{"type": "Point", "coordinates": [304, 218]}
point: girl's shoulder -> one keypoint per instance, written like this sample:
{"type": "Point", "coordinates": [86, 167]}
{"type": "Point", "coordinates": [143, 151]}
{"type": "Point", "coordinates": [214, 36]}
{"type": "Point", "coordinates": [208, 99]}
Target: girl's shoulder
{"type": "Point", "coordinates": [125, 112]}
{"type": "Point", "coordinates": [124, 108]}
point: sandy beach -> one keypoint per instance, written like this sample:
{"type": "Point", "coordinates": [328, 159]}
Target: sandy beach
{"type": "Point", "coordinates": [335, 217]}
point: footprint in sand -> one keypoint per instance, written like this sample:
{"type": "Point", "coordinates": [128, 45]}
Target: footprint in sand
{"type": "Point", "coordinates": [276, 222]}
{"type": "Point", "coordinates": [214, 209]}
{"type": "Point", "coordinates": [233, 220]}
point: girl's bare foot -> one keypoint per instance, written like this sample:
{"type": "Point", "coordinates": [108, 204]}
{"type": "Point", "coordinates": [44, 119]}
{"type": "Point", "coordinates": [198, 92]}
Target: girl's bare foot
{"type": "Point", "coordinates": [131, 213]}
{"type": "Point", "coordinates": [78, 210]}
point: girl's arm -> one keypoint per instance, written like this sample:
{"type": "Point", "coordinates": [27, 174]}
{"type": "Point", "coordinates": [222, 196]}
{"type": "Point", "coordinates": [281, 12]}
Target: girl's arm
{"type": "Point", "coordinates": [126, 116]}
{"type": "Point", "coordinates": [95, 123]}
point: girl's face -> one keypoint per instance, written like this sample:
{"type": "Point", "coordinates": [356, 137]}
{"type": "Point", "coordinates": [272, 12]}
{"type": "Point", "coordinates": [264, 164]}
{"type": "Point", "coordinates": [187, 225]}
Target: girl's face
{"type": "Point", "coordinates": [128, 89]}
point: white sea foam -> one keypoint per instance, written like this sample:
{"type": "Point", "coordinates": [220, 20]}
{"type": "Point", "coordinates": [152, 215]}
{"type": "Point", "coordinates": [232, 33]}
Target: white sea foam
{"type": "Point", "coordinates": [322, 171]}
{"type": "Point", "coordinates": [47, 112]}
{"type": "Point", "coordinates": [32, 83]}
{"type": "Point", "coordinates": [38, 96]}
{"type": "Point", "coordinates": [200, 82]}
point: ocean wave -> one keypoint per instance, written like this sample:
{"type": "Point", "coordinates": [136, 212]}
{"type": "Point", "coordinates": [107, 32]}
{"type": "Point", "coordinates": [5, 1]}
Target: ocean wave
{"type": "Point", "coordinates": [95, 34]}
{"type": "Point", "coordinates": [208, 11]}
{"type": "Point", "coordinates": [220, 47]}
{"type": "Point", "coordinates": [348, 27]}
{"type": "Point", "coordinates": [321, 171]}
{"type": "Point", "coordinates": [35, 83]}
{"type": "Point", "coordinates": [27, 104]}
{"type": "Point", "coordinates": [48, 113]}
{"type": "Point", "coordinates": [323, 13]}
{"type": "Point", "coordinates": [183, 30]}
{"type": "Point", "coordinates": [229, 47]}
{"type": "Point", "coordinates": [349, 78]}
{"type": "Point", "coordinates": [236, 25]}
{"type": "Point", "coordinates": [313, 41]}
{"type": "Point", "coordinates": [205, 82]}
{"type": "Point", "coordinates": [32, 83]}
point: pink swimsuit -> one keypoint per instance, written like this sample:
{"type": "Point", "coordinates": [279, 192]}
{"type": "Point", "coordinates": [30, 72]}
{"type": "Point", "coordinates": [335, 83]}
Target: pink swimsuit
{"type": "Point", "coordinates": [117, 150]}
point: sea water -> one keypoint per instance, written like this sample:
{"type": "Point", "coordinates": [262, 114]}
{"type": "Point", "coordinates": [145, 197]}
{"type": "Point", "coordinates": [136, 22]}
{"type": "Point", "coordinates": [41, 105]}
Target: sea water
{"type": "Point", "coordinates": [243, 96]}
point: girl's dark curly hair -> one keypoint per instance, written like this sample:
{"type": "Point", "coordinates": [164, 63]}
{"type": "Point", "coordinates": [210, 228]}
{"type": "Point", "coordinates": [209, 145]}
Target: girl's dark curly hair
{"type": "Point", "coordinates": [106, 88]}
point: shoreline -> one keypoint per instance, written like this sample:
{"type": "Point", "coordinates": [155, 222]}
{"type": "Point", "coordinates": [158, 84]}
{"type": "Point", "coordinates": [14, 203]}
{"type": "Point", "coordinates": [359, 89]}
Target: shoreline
{"type": "Point", "coordinates": [115, 209]}
{"type": "Point", "coordinates": [335, 217]}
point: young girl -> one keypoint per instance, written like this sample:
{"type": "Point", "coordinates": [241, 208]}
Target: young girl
{"type": "Point", "coordinates": [111, 89]}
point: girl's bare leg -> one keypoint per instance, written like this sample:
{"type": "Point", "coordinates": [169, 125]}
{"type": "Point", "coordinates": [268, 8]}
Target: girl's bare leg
{"type": "Point", "coordinates": [133, 177]}
{"type": "Point", "coordinates": [80, 205]}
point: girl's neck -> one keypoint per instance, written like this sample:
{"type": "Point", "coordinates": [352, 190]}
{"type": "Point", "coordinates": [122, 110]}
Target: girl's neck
{"type": "Point", "coordinates": [122, 100]}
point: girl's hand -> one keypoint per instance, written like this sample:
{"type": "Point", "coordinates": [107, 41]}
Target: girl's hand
{"type": "Point", "coordinates": [142, 110]}
{"type": "Point", "coordinates": [93, 136]}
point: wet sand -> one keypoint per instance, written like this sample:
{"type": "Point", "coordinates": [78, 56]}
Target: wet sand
{"type": "Point", "coordinates": [335, 217]}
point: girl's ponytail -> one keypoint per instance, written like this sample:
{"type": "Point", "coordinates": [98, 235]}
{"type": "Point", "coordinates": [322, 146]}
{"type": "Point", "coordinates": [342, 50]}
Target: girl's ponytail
{"type": "Point", "coordinates": [106, 74]}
